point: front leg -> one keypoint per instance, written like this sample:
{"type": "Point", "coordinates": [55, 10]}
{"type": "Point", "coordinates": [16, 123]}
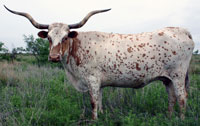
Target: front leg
{"type": "Point", "coordinates": [94, 90]}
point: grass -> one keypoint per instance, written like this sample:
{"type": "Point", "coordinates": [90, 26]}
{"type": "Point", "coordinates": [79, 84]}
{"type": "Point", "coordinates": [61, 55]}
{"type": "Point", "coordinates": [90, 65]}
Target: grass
{"type": "Point", "coordinates": [32, 96]}
{"type": "Point", "coordinates": [195, 64]}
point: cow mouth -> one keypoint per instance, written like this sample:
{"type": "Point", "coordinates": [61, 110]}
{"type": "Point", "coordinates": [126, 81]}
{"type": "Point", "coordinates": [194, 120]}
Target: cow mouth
{"type": "Point", "coordinates": [55, 58]}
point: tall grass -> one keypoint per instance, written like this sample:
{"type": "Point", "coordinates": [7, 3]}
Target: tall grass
{"type": "Point", "coordinates": [32, 96]}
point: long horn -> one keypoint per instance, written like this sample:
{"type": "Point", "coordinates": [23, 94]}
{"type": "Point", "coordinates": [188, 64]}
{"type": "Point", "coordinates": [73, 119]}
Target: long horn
{"type": "Point", "coordinates": [37, 25]}
{"type": "Point", "coordinates": [80, 24]}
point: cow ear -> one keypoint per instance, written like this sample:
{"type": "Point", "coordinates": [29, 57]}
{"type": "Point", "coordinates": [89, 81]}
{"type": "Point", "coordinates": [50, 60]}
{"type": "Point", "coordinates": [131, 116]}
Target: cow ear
{"type": "Point", "coordinates": [42, 34]}
{"type": "Point", "coordinates": [72, 34]}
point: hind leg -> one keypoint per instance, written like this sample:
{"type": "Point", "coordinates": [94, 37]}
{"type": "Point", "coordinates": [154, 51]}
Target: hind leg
{"type": "Point", "coordinates": [187, 83]}
{"type": "Point", "coordinates": [180, 91]}
{"type": "Point", "coordinates": [100, 101]}
{"type": "Point", "coordinates": [171, 97]}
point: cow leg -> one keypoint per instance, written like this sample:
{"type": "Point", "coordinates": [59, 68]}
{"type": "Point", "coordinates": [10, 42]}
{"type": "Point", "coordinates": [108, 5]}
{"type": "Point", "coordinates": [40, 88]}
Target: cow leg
{"type": "Point", "coordinates": [171, 97]}
{"type": "Point", "coordinates": [100, 101]}
{"type": "Point", "coordinates": [94, 90]}
{"type": "Point", "coordinates": [180, 92]}
{"type": "Point", "coordinates": [187, 84]}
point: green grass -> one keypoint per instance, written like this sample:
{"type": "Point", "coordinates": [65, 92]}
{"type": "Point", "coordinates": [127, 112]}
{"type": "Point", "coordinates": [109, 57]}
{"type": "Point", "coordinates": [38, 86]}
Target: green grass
{"type": "Point", "coordinates": [32, 96]}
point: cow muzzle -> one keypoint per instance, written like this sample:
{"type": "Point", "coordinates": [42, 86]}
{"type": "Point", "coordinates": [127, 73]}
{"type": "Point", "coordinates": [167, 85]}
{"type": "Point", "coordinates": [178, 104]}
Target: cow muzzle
{"type": "Point", "coordinates": [55, 58]}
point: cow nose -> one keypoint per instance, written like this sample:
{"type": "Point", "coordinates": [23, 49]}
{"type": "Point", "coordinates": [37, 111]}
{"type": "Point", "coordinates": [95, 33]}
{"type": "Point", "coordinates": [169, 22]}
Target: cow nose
{"type": "Point", "coordinates": [54, 57]}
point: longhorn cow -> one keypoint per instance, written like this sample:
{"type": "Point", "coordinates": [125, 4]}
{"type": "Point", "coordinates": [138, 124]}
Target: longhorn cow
{"type": "Point", "coordinates": [93, 60]}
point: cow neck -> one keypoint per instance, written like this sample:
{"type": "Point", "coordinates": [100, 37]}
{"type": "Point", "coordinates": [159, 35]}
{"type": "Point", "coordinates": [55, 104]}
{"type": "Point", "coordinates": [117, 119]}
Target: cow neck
{"type": "Point", "coordinates": [74, 44]}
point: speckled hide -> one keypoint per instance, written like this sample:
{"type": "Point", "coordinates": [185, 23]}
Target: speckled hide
{"type": "Point", "coordinates": [130, 60]}
{"type": "Point", "coordinates": [93, 60]}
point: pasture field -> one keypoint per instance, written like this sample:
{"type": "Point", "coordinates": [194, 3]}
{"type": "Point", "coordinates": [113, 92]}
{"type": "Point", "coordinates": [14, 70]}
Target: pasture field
{"type": "Point", "coordinates": [42, 96]}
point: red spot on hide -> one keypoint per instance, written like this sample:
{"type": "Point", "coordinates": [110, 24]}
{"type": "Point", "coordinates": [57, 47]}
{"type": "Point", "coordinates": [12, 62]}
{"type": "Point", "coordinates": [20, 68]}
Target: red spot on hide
{"type": "Point", "coordinates": [161, 33]}
{"type": "Point", "coordinates": [174, 52]}
{"type": "Point", "coordinates": [137, 67]}
{"type": "Point", "coordinates": [129, 49]}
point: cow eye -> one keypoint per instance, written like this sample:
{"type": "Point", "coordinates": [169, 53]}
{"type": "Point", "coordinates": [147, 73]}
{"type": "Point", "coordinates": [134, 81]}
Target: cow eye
{"type": "Point", "coordinates": [64, 39]}
{"type": "Point", "coordinates": [49, 38]}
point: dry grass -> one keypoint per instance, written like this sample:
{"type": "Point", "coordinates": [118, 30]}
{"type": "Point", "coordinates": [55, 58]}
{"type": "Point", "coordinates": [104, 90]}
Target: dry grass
{"type": "Point", "coordinates": [7, 74]}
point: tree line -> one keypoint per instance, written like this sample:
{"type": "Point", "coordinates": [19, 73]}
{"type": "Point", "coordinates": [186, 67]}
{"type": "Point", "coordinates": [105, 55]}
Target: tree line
{"type": "Point", "coordinates": [37, 47]}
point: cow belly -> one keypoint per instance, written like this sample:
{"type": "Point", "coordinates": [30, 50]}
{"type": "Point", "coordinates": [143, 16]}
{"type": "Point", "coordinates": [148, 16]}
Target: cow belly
{"type": "Point", "coordinates": [125, 84]}
{"type": "Point", "coordinates": [130, 79]}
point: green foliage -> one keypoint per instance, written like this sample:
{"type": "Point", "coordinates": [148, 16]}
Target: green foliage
{"type": "Point", "coordinates": [196, 52]}
{"type": "Point", "coordinates": [5, 54]}
{"type": "Point", "coordinates": [38, 47]}
{"type": "Point", "coordinates": [2, 48]}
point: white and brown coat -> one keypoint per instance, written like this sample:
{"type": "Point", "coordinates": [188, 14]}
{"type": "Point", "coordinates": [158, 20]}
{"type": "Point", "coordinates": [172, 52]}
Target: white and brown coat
{"type": "Point", "coordinates": [93, 60]}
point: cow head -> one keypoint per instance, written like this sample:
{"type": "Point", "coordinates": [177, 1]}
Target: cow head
{"type": "Point", "coordinates": [58, 34]}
